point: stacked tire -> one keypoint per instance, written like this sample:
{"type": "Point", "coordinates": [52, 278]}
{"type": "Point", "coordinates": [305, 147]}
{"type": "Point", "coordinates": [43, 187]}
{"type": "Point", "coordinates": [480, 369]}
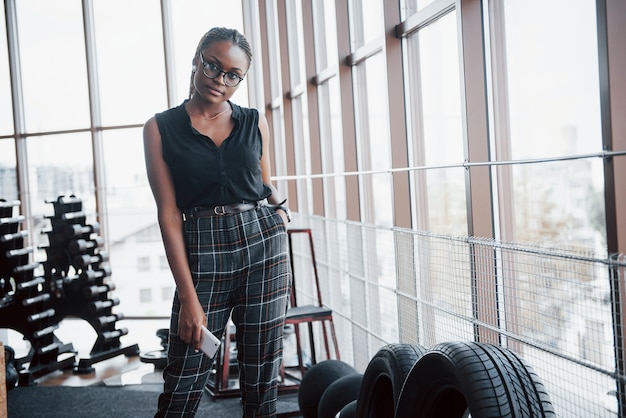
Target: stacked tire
{"type": "Point", "coordinates": [482, 380]}
{"type": "Point", "coordinates": [384, 378]}
{"type": "Point", "coordinates": [326, 388]}
{"type": "Point", "coordinates": [449, 380]}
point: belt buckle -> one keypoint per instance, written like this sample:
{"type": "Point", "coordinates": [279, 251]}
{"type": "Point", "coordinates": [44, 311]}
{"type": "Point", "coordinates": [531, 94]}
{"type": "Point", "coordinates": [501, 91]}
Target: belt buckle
{"type": "Point", "coordinates": [216, 210]}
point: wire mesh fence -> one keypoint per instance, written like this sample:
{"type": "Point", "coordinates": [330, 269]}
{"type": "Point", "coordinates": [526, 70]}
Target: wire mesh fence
{"type": "Point", "coordinates": [558, 308]}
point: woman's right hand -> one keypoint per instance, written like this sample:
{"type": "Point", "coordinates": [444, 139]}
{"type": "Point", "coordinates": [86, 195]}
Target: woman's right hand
{"type": "Point", "coordinates": [190, 321]}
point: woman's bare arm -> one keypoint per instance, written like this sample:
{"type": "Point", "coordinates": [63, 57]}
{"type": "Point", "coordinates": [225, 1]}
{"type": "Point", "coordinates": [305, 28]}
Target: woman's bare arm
{"type": "Point", "coordinates": [192, 315]}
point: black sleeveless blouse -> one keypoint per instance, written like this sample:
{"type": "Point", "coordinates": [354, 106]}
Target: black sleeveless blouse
{"type": "Point", "coordinates": [205, 174]}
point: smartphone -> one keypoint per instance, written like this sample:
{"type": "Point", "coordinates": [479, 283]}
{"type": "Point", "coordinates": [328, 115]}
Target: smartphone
{"type": "Point", "coordinates": [209, 343]}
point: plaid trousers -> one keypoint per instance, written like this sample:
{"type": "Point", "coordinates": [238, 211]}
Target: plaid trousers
{"type": "Point", "coordinates": [240, 267]}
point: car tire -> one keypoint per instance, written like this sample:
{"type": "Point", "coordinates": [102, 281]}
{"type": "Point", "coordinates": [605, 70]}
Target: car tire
{"type": "Point", "coordinates": [383, 379]}
{"type": "Point", "coordinates": [460, 378]}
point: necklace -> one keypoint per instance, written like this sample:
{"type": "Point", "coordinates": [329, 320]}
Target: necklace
{"type": "Point", "coordinates": [212, 117]}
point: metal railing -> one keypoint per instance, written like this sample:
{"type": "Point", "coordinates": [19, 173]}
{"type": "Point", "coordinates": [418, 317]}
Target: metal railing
{"type": "Point", "coordinates": [556, 307]}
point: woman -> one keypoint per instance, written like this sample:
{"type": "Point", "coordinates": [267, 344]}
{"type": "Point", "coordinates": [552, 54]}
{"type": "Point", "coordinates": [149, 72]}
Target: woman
{"type": "Point", "coordinates": [208, 166]}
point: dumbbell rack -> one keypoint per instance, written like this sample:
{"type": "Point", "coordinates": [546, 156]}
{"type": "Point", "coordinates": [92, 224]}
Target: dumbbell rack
{"type": "Point", "coordinates": [77, 271]}
{"type": "Point", "coordinates": [26, 303]}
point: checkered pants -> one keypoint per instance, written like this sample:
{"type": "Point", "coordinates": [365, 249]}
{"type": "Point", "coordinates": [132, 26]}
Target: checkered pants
{"type": "Point", "coordinates": [240, 267]}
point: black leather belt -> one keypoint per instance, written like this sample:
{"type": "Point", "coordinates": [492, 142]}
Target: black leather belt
{"type": "Point", "coordinates": [205, 212]}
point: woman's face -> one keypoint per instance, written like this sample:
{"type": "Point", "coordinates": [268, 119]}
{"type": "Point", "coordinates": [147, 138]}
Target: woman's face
{"type": "Point", "coordinates": [225, 57]}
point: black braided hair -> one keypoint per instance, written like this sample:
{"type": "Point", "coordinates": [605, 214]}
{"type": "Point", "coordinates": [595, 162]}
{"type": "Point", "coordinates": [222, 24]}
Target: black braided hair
{"type": "Point", "coordinates": [221, 34]}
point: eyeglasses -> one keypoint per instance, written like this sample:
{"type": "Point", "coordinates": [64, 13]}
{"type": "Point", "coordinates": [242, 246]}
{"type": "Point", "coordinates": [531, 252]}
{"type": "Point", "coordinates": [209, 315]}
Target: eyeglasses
{"type": "Point", "coordinates": [211, 70]}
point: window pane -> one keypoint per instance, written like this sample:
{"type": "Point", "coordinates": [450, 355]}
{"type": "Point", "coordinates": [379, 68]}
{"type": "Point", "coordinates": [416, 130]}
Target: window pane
{"type": "Point", "coordinates": [367, 19]}
{"type": "Point", "coordinates": [54, 71]}
{"type": "Point", "coordinates": [325, 34]}
{"type": "Point", "coordinates": [569, 211]}
{"type": "Point", "coordinates": [553, 90]}
{"type": "Point", "coordinates": [554, 111]}
{"type": "Point", "coordinates": [167, 293]}
{"type": "Point", "coordinates": [375, 148]}
{"type": "Point", "coordinates": [136, 248]}
{"type": "Point", "coordinates": [131, 69]}
{"type": "Point", "coordinates": [441, 92]}
{"type": "Point", "coordinates": [8, 173]}
{"type": "Point", "coordinates": [377, 121]}
{"type": "Point", "coordinates": [145, 295]}
{"type": "Point", "coordinates": [436, 127]}
{"type": "Point", "coordinates": [379, 152]}
{"type": "Point", "coordinates": [410, 7]}
{"type": "Point", "coordinates": [332, 149]}
{"type": "Point", "coordinates": [302, 150]}
{"type": "Point", "coordinates": [59, 165]}
{"type": "Point", "coordinates": [143, 264]}
{"type": "Point", "coordinates": [6, 121]}
{"type": "Point", "coordinates": [163, 264]}
{"type": "Point", "coordinates": [329, 105]}
{"type": "Point", "coordinates": [446, 209]}
{"type": "Point", "coordinates": [127, 182]}
{"type": "Point", "coordinates": [273, 53]}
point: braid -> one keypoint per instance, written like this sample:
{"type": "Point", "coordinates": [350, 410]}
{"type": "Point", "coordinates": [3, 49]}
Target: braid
{"type": "Point", "coordinates": [221, 34]}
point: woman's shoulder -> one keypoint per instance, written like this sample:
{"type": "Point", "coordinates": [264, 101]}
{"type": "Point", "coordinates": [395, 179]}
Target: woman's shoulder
{"type": "Point", "coordinates": [173, 112]}
{"type": "Point", "coordinates": [243, 110]}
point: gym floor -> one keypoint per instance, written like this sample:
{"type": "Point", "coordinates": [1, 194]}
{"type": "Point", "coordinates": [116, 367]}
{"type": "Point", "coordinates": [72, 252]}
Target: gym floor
{"type": "Point", "coordinates": [120, 370]}
{"type": "Point", "coordinates": [117, 371]}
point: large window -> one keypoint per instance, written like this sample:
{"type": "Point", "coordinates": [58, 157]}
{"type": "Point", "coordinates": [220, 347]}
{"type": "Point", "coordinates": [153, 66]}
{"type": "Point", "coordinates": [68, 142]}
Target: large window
{"type": "Point", "coordinates": [8, 173]}
{"type": "Point", "coordinates": [437, 127]}
{"type": "Point", "coordinates": [53, 65]}
{"type": "Point", "coordinates": [551, 85]}
{"type": "Point", "coordinates": [130, 62]}
{"type": "Point", "coordinates": [60, 165]}
{"type": "Point", "coordinates": [329, 107]}
{"type": "Point", "coordinates": [6, 122]}
{"type": "Point", "coordinates": [86, 86]}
